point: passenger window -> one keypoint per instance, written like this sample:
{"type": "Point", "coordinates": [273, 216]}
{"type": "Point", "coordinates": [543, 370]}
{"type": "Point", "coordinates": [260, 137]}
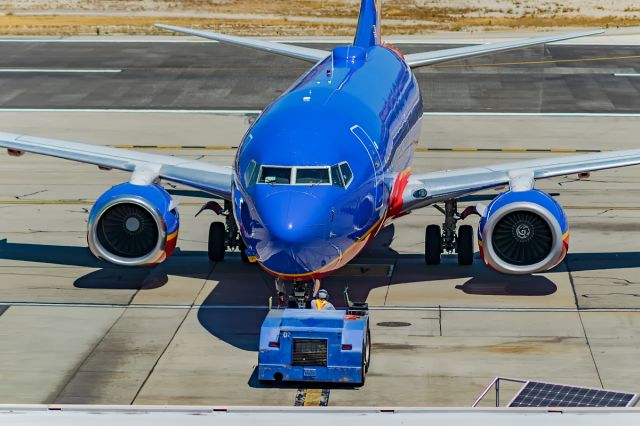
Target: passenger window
{"type": "Point", "coordinates": [336, 177]}
{"type": "Point", "coordinates": [279, 175]}
{"type": "Point", "coordinates": [315, 176]}
{"type": "Point", "coordinates": [248, 173]}
{"type": "Point", "coordinates": [347, 175]}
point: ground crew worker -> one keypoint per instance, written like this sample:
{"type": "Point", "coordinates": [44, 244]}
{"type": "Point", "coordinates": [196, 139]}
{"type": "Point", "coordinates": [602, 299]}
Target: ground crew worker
{"type": "Point", "coordinates": [321, 302]}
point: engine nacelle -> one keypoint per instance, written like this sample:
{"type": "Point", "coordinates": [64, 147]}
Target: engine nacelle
{"type": "Point", "coordinates": [132, 225]}
{"type": "Point", "coordinates": [523, 233]}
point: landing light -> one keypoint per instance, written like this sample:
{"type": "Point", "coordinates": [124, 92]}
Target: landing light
{"type": "Point", "coordinates": [420, 193]}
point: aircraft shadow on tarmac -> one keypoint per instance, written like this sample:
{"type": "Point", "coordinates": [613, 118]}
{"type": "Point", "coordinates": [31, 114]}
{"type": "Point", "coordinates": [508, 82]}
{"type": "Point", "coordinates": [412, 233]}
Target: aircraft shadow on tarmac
{"type": "Point", "coordinates": [231, 311]}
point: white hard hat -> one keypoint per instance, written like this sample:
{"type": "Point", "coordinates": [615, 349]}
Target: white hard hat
{"type": "Point", "coordinates": [323, 294]}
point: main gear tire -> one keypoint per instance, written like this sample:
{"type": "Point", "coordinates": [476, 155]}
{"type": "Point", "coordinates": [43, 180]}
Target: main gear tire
{"type": "Point", "coordinates": [432, 245]}
{"type": "Point", "coordinates": [217, 247]}
{"type": "Point", "coordinates": [465, 245]}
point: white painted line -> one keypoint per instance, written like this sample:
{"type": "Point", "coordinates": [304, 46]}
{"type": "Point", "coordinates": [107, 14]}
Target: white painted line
{"type": "Point", "coordinates": [262, 307]}
{"type": "Point", "coordinates": [622, 74]}
{"type": "Point", "coordinates": [243, 112]}
{"type": "Point", "coordinates": [102, 40]}
{"type": "Point", "coordinates": [58, 70]}
{"type": "Point", "coordinates": [532, 114]}
{"type": "Point", "coordinates": [329, 40]}
{"type": "Point", "coordinates": [141, 111]}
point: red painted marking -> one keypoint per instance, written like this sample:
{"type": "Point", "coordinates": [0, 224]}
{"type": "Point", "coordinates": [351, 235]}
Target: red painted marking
{"type": "Point", "coordinates": [170, 246]}
{"type": "Point", "coordinates": [395, 200]}
{"type": "Point", "coordinates": [393, 49]}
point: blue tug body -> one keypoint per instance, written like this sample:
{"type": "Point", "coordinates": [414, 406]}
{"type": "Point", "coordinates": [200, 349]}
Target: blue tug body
{"type": "Point", "coordinates": [306, 345]}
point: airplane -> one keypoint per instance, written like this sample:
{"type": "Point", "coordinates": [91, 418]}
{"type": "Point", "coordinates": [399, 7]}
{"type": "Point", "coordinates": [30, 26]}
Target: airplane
{"type": "Point", "coordinates": [325, 167]}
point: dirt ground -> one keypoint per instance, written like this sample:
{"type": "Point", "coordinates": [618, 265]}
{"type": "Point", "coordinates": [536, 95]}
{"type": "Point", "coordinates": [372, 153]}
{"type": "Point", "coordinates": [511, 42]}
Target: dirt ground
{"type": "Point", "coordinates": [307, 17]}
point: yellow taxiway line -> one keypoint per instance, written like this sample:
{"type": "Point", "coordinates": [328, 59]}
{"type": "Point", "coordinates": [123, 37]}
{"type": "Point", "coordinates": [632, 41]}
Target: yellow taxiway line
{"type": "Point", "coordinates": [198, 204]}
{"type": "Point", "coordinates": [419, 149]}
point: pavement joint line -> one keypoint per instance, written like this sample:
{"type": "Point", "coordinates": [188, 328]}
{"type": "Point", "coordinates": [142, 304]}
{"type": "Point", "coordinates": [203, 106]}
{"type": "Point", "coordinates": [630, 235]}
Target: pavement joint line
{"type": "Point", "coordinates": [593, 358]}
{"type": "Point", "coordinates": [173, 336]}
{"type": "Point", "coordinates": [372, 308]}
{"type": "Point", "coordinates": [79, 365]}
{"type": "Point", "coordinates": [244, 112]}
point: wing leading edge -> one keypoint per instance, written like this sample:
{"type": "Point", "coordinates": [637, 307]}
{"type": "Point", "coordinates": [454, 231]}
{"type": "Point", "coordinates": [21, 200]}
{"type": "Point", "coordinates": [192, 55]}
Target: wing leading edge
{"type": "Point", "coordinates": [416, 60]}
{"type": "Point", "coordinates": [429, 188]}
{"type": "Point", "coordinates": [208, 177]}
{"type": "Point", "coordinates": [298, 52]}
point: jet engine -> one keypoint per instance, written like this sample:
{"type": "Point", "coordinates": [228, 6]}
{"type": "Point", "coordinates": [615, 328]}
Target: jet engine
{"type": "Point", "coordinates": [132, 225]}
{"type": "Point", "coordinates": [523, 232]}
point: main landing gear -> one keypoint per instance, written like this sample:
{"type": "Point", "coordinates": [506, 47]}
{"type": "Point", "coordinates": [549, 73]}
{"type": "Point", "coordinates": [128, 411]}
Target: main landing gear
{"type": "Point", "coordinates": [223, 236]}
{"type": "Point", "coordinates": [447, 240]}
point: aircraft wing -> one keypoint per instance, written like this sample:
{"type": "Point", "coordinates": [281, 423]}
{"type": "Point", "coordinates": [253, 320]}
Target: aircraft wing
{"type": "Point", "coordinates": [430, 58]}
{"type": "Point", "coordinates": [146, 167]}
{"type": "Point", "coordinates": [429, 188]}
{"type": "Point", "coordinates": [298, 52]}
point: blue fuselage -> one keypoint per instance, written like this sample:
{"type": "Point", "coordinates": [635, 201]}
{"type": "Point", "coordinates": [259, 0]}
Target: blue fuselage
{"type": "Point", "coordinates": [359, 107]}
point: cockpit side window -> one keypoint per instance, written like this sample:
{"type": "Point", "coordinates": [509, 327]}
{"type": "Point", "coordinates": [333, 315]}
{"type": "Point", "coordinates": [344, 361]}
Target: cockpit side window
{"type": "Point", "coordinates": [275, 175]}
{"type": "Point", "coordinates": [347, 174]}
{"type": "Point", "coordinates": [249, 173]}
{"type": "Point", "coordinates": [336, 176]}
{"type": "Point", "coordinates": [312, 176]}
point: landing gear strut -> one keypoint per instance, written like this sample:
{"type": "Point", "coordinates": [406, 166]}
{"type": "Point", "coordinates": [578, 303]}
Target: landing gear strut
{"type": "Point", "coordinates": [448, 240]}
{"type": "Point", "coordinates": [301, 293]}
{"type": "Point", "coordinates": [223, 236]}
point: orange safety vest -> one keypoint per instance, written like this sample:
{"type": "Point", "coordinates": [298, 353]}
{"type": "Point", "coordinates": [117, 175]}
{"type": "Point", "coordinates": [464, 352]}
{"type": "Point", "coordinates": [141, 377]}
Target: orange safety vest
{"type": "Point", "coordinates": [319, 304]}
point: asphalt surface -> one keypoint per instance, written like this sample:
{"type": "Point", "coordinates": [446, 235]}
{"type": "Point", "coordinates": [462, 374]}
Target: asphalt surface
{"type": "Point", "coordinates": [215, 76]}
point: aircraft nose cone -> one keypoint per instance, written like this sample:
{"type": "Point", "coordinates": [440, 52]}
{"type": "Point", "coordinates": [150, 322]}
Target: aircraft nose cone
{"type": "Point", "coordinates": [293, 217]}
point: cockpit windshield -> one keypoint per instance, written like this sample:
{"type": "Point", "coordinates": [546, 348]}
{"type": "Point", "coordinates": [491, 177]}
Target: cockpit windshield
{"type": "Point", "coordinates": [337, 175]}
{"type": "Point", "coordinates": [278, 175]}
{"type": "Point", "coordinates": [313, 176]}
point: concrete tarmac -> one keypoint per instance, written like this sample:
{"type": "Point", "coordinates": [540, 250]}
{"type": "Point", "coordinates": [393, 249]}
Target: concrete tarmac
{"type": "Point", "coordinates": [76, 330]}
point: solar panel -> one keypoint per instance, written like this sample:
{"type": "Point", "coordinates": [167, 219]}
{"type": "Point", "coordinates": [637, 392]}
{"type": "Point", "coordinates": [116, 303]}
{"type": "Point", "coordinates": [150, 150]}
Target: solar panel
{"type": "Point", "coordinates": [538, 394]}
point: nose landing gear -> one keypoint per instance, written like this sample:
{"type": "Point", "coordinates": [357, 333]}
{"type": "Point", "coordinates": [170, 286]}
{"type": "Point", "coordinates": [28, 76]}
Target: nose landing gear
{"type": "Point", "coordinates": [301, 293]}
{"type": "Point", "coordinates": [447, 240]}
